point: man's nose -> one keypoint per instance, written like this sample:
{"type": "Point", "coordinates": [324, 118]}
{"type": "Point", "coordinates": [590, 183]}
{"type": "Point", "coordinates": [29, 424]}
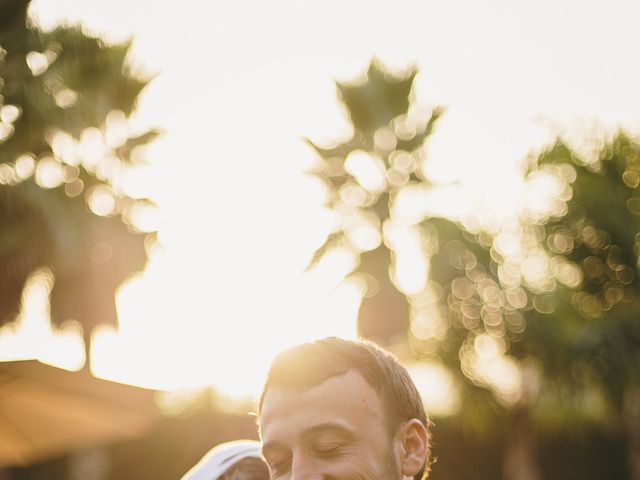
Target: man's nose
{"type": "Point", "coordinates": [303, 467]}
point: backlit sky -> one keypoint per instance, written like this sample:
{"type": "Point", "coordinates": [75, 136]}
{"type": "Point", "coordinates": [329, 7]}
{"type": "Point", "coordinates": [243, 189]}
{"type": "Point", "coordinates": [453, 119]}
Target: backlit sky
{"type": "Point", "coordinates": [240, 83]}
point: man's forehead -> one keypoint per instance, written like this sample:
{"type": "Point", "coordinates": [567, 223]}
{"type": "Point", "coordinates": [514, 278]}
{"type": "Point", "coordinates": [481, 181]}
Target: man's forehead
{"type": "Point", "coordinates": [348, 393]}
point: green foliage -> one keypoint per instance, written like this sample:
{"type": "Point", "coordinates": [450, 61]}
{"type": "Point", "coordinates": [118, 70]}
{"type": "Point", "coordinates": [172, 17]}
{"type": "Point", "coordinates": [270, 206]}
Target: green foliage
{"type": "Point", "coordinates": [64, 141]}
{"type": "Point", "coordinates": [388, 138]}
{"type": "Point", "coordinates": [601, 234]}
{"type": "Point", "coordinates": [579, 330]}
{"type": "Point", "coordinates": [378, 101]}
{"type": "Point", "coordinates": [569, 334]}
{"type": "Point", "coordinates": [538, 322]}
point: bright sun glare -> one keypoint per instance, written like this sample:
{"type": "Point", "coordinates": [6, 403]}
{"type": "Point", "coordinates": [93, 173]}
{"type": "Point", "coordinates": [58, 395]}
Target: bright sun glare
{"type": "Point", "coordinates": [238, 221]}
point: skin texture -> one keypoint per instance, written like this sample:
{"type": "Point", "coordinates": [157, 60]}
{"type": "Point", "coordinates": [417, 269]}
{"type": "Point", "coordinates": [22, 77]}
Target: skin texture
{"type": "Point", "coordinates": [337, 431]}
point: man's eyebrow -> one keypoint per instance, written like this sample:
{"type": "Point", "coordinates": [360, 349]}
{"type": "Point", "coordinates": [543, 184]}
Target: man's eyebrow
{"type": "Point", "coordinates": [328, 427]}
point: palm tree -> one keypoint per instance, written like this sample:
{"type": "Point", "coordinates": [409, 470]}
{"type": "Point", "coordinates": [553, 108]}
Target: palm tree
{"type": "Point", "coordinates": [64, 142]}
{"type": "Point", "coordinates": [482, 300]}
{"type": "Point", "coordinates": [363, 176]}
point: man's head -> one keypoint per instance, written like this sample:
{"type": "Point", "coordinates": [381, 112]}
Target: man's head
{"type": "Point", "coordinates": [339, 409]}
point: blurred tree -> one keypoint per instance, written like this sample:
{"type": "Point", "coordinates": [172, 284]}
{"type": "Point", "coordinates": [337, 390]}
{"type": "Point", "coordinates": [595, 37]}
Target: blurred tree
{"type": "Point", "coordinates": [64, 145]}
{"type": "Point", "coordinates": [363, 175]}
{"type": "Point", "coordinates": [544, 314]}
{"type": "Point", "coordinates": [593, 252]}
{"type": "Point", "coordinates": [471, 313]}
{"type": "Point", "coordinates": [536, 321]}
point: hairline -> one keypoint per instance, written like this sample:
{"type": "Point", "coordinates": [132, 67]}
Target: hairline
{"type": "Point", "coordinates": [393, 419]}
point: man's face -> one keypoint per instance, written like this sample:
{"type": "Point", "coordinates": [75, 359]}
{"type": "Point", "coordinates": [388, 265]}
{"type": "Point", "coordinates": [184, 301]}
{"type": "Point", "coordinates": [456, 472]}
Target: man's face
{"type": "Point", "coordinates": [334, 431]}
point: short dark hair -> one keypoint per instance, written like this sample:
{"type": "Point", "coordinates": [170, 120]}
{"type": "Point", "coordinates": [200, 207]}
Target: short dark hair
{"type": "Point", "coordinates": [310, 364]}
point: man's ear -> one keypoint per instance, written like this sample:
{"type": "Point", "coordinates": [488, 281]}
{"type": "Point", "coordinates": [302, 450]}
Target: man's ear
{"type": "Point", "coordinates": [414, 442]}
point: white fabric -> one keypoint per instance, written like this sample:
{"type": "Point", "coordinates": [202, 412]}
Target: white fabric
{"type": "Point", "coordinates": [220, 458]}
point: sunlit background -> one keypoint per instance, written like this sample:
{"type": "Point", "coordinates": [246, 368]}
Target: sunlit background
{"type": "Point", "coordinates": [236, 88]}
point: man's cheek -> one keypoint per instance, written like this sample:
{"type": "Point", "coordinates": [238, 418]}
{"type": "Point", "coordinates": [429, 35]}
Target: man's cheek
{"type": "Point", "coordinates": [357, 469]}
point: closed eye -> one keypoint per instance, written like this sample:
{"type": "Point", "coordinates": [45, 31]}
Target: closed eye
{"type": "Point", "coordinates": [327, 449]}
